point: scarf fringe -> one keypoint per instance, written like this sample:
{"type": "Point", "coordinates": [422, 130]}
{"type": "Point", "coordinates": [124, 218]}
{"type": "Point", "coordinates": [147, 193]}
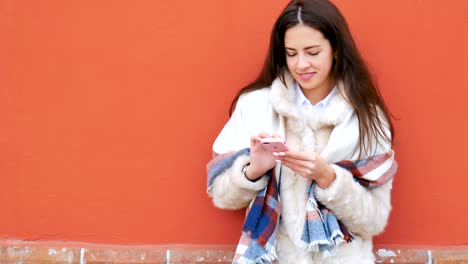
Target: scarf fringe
{"type": "Point", "coordinates": [315, 245]}
{"type": "Point", "coordinates": [270, 256]}
{"type": "Point", "coordinates": [331, 245]}
{"type": "Point", "coordinates": [337, 237]}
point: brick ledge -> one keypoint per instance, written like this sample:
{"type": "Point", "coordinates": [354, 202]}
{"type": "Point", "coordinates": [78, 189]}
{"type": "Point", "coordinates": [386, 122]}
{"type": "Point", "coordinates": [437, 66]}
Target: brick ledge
{"type": "Point", "coordinates": [89, 253]}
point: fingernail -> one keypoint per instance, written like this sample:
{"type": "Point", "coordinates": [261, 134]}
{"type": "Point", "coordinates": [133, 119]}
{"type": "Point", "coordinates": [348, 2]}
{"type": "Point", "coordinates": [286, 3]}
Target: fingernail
{"type": "Point", "coordinates": [279, 161]}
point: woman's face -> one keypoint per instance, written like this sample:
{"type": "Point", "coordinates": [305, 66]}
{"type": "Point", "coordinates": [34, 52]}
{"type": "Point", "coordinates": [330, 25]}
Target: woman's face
{"type": "Point", "coordinates": [309, 57]}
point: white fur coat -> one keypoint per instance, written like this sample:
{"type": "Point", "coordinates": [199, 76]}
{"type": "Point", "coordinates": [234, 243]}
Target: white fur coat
{"type": "Point", "coordinates": [273, 109]}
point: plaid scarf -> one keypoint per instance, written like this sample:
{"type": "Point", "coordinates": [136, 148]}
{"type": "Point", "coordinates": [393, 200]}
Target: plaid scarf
{"type": "Point", "coordinates": [322, 230]}
{"type": "Point", "coordinates": [258, 239]}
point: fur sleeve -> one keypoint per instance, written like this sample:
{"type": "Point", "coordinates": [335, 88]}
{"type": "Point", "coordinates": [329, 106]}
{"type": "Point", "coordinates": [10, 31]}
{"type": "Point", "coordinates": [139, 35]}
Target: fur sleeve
{"type": "Point", "coordinates": [363, 211]}
{"type": "Point", "coordinates": [231, 190]}
{"type": "Point", "coordinates": [226, 183]}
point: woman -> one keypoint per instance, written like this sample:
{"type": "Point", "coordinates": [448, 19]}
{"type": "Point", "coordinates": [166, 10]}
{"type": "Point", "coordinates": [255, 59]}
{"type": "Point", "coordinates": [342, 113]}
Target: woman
{"type": "Point", "coordinates": [324, 199]}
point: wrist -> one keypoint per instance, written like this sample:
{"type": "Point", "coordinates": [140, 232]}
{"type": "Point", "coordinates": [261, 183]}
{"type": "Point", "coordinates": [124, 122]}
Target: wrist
{"type": "Point", "coordinates": [249, 173]}
{"type": "Point", "coordinates": [327, 179]}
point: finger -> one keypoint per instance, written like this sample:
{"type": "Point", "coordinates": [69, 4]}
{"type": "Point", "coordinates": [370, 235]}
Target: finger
{"type": "Point", "coordinates": [276, 136]}
{"type": "Point", "coordinates": [264, 135]}
{"type": "Point", "coordinates": [278, 154]}
{"type": "Point", "coordinates": [256, 138]}
{"type": "Point", "coordinates": [299, 162]}
{"type": "Point", "coordinates": [300, 170]}
{"type": "Point", "coordinates": [308, 164]}
{"type": "Point", "coordinates": [300, 155]}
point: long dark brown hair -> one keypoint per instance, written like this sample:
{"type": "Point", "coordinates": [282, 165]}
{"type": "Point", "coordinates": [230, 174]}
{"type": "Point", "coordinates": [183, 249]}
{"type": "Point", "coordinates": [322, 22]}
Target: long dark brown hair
{"type": "Point", "coordinates": [349, 67]}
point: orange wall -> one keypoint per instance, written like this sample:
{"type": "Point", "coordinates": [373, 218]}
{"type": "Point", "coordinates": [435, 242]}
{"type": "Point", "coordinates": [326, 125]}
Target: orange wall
{"type": "Point", "coordinates": [108, 110]}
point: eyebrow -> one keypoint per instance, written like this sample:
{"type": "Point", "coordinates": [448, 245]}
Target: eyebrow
{"type": "Point", "coordinates": [306, 48]}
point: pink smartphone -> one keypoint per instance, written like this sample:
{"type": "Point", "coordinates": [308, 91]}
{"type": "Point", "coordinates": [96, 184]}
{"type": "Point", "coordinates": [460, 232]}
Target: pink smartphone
{"type": "Point", "coordinates": [274, 144]}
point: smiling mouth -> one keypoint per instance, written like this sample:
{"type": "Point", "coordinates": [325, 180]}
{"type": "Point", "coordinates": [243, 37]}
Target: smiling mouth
{"type": "Point", "coordinates": [306, 75]}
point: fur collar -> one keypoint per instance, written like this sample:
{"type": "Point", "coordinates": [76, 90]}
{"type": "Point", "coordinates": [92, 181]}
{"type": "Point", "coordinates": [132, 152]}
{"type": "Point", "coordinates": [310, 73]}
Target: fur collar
{"type": "Point", "coordinates": [283, 101]}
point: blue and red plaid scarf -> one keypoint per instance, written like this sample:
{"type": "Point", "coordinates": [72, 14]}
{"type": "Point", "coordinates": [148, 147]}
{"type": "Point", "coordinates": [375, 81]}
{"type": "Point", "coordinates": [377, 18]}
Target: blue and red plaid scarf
{"type": "Point", "coordinates": [322, 230]}
{"type": "Point", "coordinates": [258, 239]}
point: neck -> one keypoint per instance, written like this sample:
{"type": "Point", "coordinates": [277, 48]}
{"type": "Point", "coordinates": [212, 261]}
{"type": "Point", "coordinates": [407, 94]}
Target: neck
{"type": "Point", "coordinates": [318, 94]}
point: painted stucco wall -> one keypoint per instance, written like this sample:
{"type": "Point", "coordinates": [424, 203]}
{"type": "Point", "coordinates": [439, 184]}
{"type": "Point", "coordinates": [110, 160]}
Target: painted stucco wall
{"type": "Point", "coordinates": [108, 110]}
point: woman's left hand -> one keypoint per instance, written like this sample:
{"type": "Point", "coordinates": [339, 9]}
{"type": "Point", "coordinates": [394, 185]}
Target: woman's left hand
{"type": "Point", "coordinates": [309, 164]}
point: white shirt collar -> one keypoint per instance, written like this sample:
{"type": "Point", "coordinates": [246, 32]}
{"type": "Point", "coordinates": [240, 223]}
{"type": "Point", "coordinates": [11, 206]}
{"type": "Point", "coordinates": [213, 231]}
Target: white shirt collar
{"type": "Point", "coordinates": [302, 101]}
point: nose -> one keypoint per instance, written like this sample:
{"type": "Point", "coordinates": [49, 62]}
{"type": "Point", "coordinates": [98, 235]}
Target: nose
{"type": "Point", "coordinates": [302, 62]}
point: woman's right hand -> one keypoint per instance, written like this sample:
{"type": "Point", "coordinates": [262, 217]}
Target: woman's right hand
{"type": "Point", "coordinates": [261, 160]}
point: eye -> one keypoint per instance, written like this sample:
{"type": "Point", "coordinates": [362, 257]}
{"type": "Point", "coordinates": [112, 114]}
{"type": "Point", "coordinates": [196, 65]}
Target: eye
{"type": "Point", "coordinates": [314, 53]}
{"type": "Point", "coordinates": [290, 54]}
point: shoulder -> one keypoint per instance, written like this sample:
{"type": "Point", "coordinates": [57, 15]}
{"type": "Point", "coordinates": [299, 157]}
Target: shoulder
{"type": "Point", "coordinates": [254, 100]}
{"type": "Point", "coordinates": [255, 96]}
{"type": "Point", "coordinates": [250, 117]}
